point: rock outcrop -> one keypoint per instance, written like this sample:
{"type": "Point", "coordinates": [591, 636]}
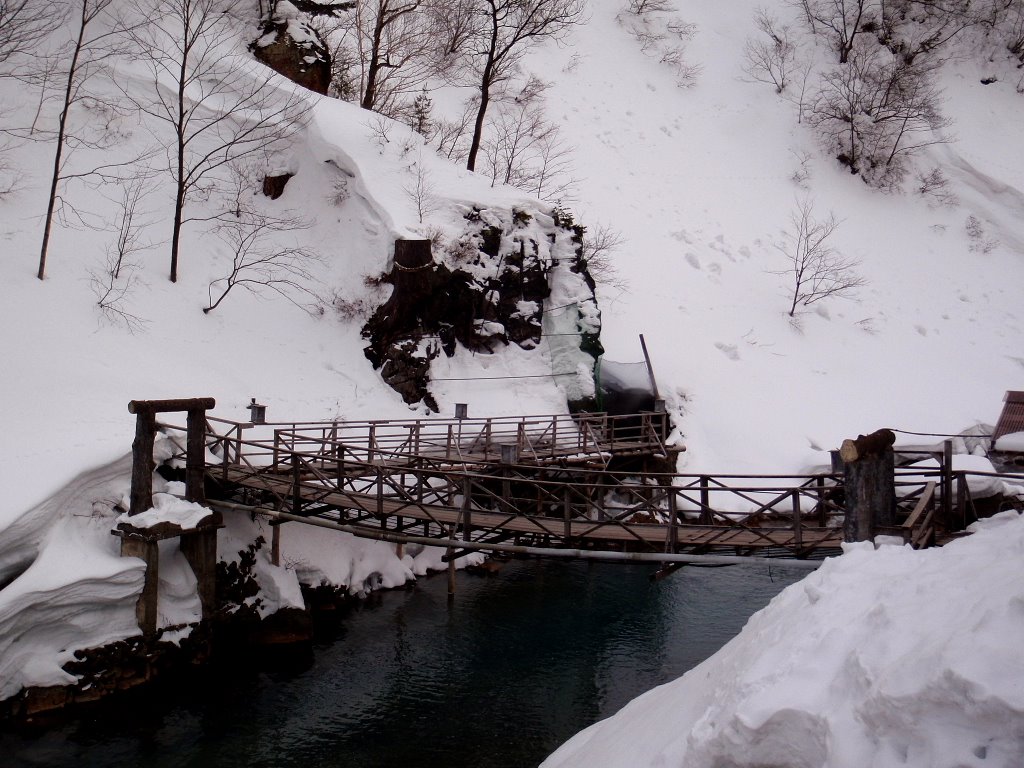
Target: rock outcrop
{"type": "Point", "coordinates": [484, 290]}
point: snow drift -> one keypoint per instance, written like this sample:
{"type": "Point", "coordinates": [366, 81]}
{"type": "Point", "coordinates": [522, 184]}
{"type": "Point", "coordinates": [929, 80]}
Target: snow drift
{"type": "Point", "coordinates": [882, 657]}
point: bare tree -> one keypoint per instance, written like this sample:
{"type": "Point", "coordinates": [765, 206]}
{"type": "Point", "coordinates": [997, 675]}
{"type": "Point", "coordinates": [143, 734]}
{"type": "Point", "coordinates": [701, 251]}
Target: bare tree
{"type": "Point", "coordinates": [96, 39]}
{"type": "Point", "coordinates": [843, 19]}
{"type": "Point", "coordinates": [816, 270]}
{"type": "Point", "coordinates": [876, 110]}
{"type": "Point", "coordinates": [113, 284]}
{"type": "Point", "coordinates": [24, 24]}
{"type": "Point", "coordinates": [449, 136]}
{"type": "Point", "coordinates": [600, 243]}
{"type": "Point", "coordinates": [524, 149]}
{"type": "Point", "coordinates": [396, 43]}
{"type": "Point", "coordinates": [421, 190]}
{"type": "Point", "coordinates": [260, 263]}
{"type": "Point", "coordinates": [504, 31]}
{"type": "Point", "coordinates": [798, 95]}
{"type": "Point", "coordinates": [640, 7]}
{"type": "Point", "coordinates": [663, 36]}
{"type": "Point", "coordinates": [218, 106]}
{"type": "Point", "coordinates": [770, 59]}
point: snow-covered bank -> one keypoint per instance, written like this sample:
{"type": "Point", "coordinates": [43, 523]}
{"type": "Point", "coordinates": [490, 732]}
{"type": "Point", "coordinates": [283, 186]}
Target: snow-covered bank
{"type": "Point", "coordinates": [70, 589]}
{"type": "Point", "coordinates": [883, 657]}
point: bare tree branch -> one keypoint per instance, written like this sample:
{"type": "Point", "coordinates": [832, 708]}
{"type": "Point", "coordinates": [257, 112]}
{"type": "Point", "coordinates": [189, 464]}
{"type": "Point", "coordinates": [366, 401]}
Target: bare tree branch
{"type": "Point", "coordinates": [817, 271]}
{"type": "Point", "coordinates": [217, 107]}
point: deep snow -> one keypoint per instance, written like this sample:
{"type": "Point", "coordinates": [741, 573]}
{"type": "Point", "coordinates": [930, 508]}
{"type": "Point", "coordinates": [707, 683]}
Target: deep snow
{"type": "Point", "coordinates": [881, 657]}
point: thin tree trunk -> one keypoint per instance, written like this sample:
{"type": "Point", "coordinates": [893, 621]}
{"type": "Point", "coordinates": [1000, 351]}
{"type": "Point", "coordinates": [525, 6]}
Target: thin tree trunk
{"type": "Point", "coordinates": [179, 197]}
{"type": "Point", "coordinates": [485, 96]}
{"type": "Point", "coordinates": [59, 151]}
{"type": "Point", "coordinates": [370, 94]}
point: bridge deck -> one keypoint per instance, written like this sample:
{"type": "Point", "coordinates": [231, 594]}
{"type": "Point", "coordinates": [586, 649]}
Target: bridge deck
{"type": "Point", "coordinates": [583, 521]}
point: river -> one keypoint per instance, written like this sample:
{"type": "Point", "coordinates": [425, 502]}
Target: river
{"type": "Point", "coordinates": [499, 678]}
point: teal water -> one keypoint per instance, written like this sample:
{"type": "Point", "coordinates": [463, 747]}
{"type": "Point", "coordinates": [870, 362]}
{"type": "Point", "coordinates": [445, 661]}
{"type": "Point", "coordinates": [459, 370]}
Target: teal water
{"type": "Point", "coordinates": [499, 678]}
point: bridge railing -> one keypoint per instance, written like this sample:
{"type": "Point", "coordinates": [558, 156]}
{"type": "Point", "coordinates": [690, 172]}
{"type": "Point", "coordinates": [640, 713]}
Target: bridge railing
{"type": "Point", "coordinates": [532, 439]}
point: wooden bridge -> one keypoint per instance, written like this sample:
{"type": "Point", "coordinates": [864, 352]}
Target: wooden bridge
{"type": "Point", "coordinates": [585, 485]}
{"type": "Point", "coordinates": [541, 483]}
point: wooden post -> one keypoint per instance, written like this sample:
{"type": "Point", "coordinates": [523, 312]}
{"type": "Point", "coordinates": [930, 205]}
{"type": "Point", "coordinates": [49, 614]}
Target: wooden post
{"type": "Point", "coordinates": [868, 466]}
{"type": "Point", "coordinates": [195, 456]}
{"type": "Point", "coordinates": [706, 518]}
{"type": "Point", "coordinates": [819, 482]}
{"type": "Point", "coordinates": [797, 533]}
{"type": "Point", "coordinates": [380, 492]}
{"type": "Point", "coordinates": [275, 544]}
{"type": "Point", "coordinates": [673, 519]}
{"type": "Point", "coordinates": [567, 512]}
{"type": "Point", "coordinates": [142, 462]}
{"type": "Point", "coordinates": [650, 368]}
{"type": "Point", "coordinates": [451, 563]}
{"type": "Point", "coordinates": [962, 494]}
{"type": "Point", "coordinates": [200, 549]}
{"type": "Point", "coordinates": [148, 550]}
{"type": "Point", "coordinates": [947, 484]}
{"type": "Point", "coordinates": [296, 486]}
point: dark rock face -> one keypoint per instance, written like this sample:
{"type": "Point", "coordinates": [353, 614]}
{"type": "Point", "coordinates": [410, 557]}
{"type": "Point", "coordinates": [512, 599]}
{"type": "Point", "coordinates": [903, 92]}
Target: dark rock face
{"type": "Point", "coordinates": [489, 293]}
{"type": "Point", "coordinates": [107, 672]}
{"type": "Point", "coordinates": [273, 186]}
{"type": "Point", "coordinates": [297, 51]}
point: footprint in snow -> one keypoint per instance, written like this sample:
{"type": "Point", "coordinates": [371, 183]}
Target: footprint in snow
{"type": "Point", "coordinates": [692, 260]}
{"type": "Point", "coordinates": [921, 330]}
{"type": "Point", "coordinates": [728, 350]}
{"type": "Point", "coordinates": [744, 252]}
{"type": "Point", "coordinates": [715, 268]}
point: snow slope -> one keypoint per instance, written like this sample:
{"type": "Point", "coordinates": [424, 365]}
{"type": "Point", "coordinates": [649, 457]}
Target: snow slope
{"type": "Point", "coordinates": [882, 657]}
{"type": "Point", "coordinates": [699, 182]}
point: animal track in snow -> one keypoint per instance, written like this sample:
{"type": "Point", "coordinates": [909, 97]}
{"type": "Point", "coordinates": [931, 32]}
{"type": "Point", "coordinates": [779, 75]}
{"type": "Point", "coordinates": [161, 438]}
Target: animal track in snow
{"type": "Point", "coordinates": [692, 260]}
{"type": "Point", "coordinates": [728, 350]}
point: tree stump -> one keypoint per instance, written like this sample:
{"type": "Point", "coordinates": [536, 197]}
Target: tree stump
{"type": "Point", "coordinates": [868, 466]}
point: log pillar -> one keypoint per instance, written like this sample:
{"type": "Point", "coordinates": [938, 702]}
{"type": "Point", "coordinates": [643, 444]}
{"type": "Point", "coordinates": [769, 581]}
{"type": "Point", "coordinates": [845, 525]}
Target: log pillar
{"type": "Point", "coordinates": [142, 462]}
{"type": "Point", "coordinates": [868, 467]}
{"type": "Point", "coordinates": [195, 456]}
{"type": "Point", "coordinates": [200, 549]}
{"type": "Point", "coordinates": [148, 550]}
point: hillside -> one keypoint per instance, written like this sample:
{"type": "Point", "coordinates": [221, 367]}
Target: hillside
{"type": "Point", "coordinates": [697, 181]}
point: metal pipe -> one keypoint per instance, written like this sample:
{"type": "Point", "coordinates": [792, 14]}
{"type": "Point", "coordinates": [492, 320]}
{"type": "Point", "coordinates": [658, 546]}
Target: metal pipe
{"type": "Point", "coordinates": [519, 549]}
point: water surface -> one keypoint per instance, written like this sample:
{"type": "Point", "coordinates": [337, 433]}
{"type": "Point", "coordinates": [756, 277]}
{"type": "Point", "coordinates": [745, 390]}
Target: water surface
{"type": "Point", "coordinates": [499, 678]}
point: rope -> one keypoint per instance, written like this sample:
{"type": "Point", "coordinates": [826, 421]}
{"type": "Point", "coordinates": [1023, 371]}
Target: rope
{"type": "Point", "coordinates": [929, 434]}
{"type": "Point", "coordinates": [496, 378]}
